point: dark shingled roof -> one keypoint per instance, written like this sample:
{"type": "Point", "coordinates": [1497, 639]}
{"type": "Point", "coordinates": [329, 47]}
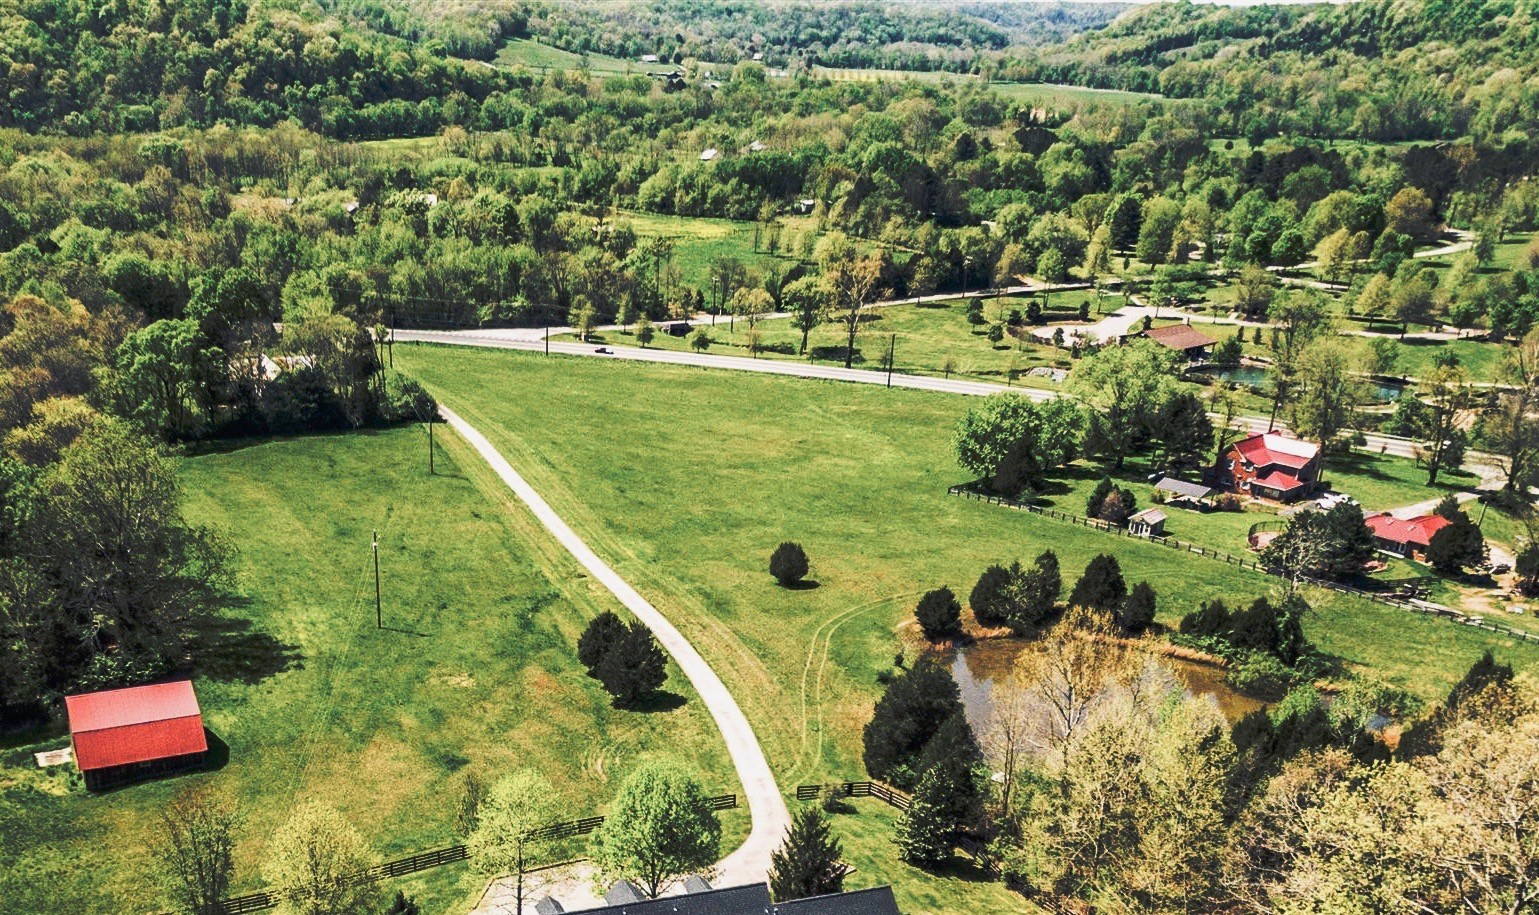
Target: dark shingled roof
{"type": "Point", "coordinates": [875, 901]}
{"type": "Point", "coordinates": [755, 900]}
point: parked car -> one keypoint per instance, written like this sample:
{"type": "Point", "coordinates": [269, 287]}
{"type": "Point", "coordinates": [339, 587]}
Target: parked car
{"type": "Point", "coordinates": [1332, 499]}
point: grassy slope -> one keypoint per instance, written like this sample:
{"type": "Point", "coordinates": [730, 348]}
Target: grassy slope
{"type": "Point", "coordinates": [478, 672]}
{"type": "Point", "coordinates": [537, 55]}
{"type": "Point", "coordinates": [697, 241]}
{"type": "Point", "coordinates": [687, 478]}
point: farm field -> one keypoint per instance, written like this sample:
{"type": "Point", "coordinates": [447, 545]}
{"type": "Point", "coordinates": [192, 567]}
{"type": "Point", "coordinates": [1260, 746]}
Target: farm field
{"type": "Point", "coordinates": [1048, 94]}
{"type": "Point", "coordinates": [537, 55]}
{"type": "Point", "coordinates": [475, 672]}
{"type": "Point", "coordinates": [928, 337]}
{"type": "Point", "coordinates": [685, 479]}
{"type": "Point", "coordinates": [698, 241]}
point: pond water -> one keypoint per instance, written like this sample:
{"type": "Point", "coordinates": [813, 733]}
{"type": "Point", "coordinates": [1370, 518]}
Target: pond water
{"type": "Point", "coordinates": [976, 666]}
{"type": "Point", "coordinates": [1254, 376]}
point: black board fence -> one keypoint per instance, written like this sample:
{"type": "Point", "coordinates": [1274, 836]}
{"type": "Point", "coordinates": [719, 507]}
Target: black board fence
{"type": "Point", "coordinates": [901, 800]}
{"type": "Point", "coordinates": [1399, 601]}
{"type": "Point", "coordinates": [439, 857]}
{"type": "Point", "coordinates": [879, 790]}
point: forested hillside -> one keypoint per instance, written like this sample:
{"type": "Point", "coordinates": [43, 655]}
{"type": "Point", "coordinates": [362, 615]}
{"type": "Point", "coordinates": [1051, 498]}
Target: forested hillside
{"type": "Point", "coordinates": [1377, 70]}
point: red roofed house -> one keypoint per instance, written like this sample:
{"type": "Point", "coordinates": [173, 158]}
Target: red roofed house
{"type": "Point", "coordinates": [122, 735]}
{"type": "Point", "coordinates": [1405, 537]}
{"type": "Point", "coordinates": [1184, 339]}
{"type": "Point", "coordinates": [1271, 466]}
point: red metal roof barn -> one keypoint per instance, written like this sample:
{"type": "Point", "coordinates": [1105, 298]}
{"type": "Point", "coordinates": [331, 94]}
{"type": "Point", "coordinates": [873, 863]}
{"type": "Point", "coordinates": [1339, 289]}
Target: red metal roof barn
{"type": "Point", "coordinates": [121, 735]}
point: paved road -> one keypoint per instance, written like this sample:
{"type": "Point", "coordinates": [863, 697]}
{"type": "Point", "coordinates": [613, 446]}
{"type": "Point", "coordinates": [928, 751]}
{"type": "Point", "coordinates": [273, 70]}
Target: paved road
{"type": "Point", "coordinates": [751, 861]}
{"type": "Point", "coordinates": [518, 340]}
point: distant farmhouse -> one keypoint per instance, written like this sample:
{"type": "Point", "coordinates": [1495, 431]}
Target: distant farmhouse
{"type": "Point", "coordinates": [1271, 466]}
{"type": "Point", "coordinates": [1407, 537]}
{"type": "Point", "coordinates": [124, 735]}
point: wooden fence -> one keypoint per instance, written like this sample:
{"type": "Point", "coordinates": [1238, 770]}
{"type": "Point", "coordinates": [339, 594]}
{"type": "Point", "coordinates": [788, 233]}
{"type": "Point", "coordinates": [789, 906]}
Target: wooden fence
{"type": "Point", "coordinates": [971, 846]}
{"type": "Point", "coordinates": [438, 857]}
{"type": "Point", "coordinates": [1401, 602]}
{"type": "Point", "coordinates": [879, 790]}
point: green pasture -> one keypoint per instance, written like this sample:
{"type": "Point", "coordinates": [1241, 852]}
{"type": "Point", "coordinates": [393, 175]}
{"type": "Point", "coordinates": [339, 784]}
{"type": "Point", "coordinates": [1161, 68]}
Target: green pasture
{"type": "Point", "coordinates": [686, 478]}
{"type": "Point", "coordinates": [475, 671]}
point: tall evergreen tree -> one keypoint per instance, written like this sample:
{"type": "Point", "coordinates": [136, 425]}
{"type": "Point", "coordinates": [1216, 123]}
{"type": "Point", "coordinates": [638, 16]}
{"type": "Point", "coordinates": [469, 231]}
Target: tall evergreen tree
{"type": "Point", "coordinates": [1101, 587]}
{"type": "Point", "coordinates": [924, 837]}
{"type": "Point", "coordinates": [809, 861]}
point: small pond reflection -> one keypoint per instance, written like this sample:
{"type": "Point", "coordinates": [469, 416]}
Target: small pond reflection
{"type": "Point", "coordinates": [1255, 376]}
{"type": "Point", "coordinates": [976, 666]}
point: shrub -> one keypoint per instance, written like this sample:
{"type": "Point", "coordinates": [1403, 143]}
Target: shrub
{"type": "Point", "coordinates": [1137, 611]}
{"type": "Point", "coordinates": [939, 614]}
{"type": "Point", "coordinates": [990, 597]}
{"type": "Point", "coordinates": [788, 564]}
{"type": "Point", "coordinates": [603, 632]}
{"type": "Point", "coordinates": [1101, 587]}
{"type": "Point", "coordinates": [1261, 675]}
{"type": "Point", "coordinates": [1211, 618]}
{"type": "Point", "coordinates": [1229, 502]}
{"type": "Point", "coordinates": [633, 667]}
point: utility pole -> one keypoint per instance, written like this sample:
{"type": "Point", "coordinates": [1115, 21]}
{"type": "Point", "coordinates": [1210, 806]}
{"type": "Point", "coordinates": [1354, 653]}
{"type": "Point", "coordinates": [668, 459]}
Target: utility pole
{"type": "Point", "coordinates": [391, 346]}
{"type": "Point", "coordinates": [379, 613]}
{"type": "Point", "coordinates": [892, 349]}
{"type": "Point", "coordinates": [431, 469]}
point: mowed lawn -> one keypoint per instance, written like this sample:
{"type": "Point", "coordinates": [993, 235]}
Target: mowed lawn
{"type": "Point", "coordinates": [475, 672]}
{"type": "Point", "coordinates": [922, 338]}
{"type": "Point", "coordinates": [686, 479]}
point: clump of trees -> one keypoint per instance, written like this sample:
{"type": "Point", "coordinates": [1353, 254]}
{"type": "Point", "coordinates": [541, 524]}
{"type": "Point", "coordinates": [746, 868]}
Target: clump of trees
{"type": "Point", "coordinates": [624, 658]}
{"type": "Point", "coordinates": [1022, 598]}
{"type": "Point", "coordinates": [1111, 503]}
{"type": "Point", "coordinates": [1274, 629]}
{"type": "Point", "coordinates": [1010, 442]}
{"type": "Point", "coordinates": [1334, 544]}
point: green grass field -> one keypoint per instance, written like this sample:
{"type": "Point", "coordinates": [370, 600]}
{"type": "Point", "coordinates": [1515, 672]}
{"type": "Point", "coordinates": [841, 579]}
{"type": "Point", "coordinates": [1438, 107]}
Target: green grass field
{"type": "Point", "coordinates": [697, 241]}
{"type": "Point", "coordinates": [1054, 94]}
{"type": "Point", "coordinates": [537, 55]}
{"type": "Point", "coordinates": [686, 479]}
{"type": "Point", "coordinates": [1041, 94]}
{"type": "Point", "coordinates": [475, 672]}
{"type": "Point", "coordinates": [927, 336]}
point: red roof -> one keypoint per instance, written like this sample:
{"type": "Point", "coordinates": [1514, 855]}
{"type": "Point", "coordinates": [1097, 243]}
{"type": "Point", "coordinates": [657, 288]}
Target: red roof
{"type": "Point", "coordinates": [1180, 336]}
{"type": "Point", "coordinates": [1412, 532]}
{"type": "Point", "coordinates": [118, 727]}
{"type": "Point", "coordinates": [1268, 449]}
{"type": "Point", "coordinates": [1282, 482]}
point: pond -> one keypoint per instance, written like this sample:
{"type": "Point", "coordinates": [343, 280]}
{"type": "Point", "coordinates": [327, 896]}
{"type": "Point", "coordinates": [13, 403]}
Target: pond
{"type": "Point", "coordinates": [978, 665]}
{"type": "Point", "coordinates": [1254, 376]}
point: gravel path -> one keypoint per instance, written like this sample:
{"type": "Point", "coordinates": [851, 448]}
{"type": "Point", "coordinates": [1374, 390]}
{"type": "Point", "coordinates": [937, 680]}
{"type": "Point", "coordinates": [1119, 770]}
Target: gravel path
{"type": "Point", "coordinates": [750, 862]}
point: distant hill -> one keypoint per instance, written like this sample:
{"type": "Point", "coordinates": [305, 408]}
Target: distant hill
{"type": "Point", "coordinates": [1385, 70]}
{"type": "Point", "coordinates": [886, 35]}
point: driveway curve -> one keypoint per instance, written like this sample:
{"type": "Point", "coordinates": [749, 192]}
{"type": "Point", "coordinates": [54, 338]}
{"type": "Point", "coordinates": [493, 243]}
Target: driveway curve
{"type": "Point", "coordinates": [750, 862]}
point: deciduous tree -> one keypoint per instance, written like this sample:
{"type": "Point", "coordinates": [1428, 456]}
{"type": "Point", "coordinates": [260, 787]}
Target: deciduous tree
{"type": "Point", "coordinates": [658, 830]}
